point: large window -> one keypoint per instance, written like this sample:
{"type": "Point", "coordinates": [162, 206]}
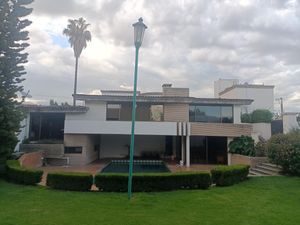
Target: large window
{"type": "Point", "coordinates": [113, 111]}
{"type": "Point", "coordinates": [144, 112]}
{"type": "Point", "coordinates": [211, 113]}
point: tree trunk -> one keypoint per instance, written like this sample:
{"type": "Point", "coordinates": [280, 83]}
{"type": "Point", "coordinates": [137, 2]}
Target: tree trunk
{"type": "Point", "coordinates": [75, 82]}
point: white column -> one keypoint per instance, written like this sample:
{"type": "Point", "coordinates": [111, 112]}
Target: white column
{"type": "Point", "coordinates": [187, 145]}
{"type": "Point", "coordinates": [183, 149]}
{"type": "Point", "coordinates": [228, 154]}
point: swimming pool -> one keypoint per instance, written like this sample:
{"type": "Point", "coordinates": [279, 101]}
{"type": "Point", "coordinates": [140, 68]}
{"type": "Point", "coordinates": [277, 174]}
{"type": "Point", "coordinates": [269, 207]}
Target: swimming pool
{"type": "Point", "coordinates": [139, 166]}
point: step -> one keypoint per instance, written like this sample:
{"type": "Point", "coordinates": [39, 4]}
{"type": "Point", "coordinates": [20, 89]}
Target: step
{"type": "Point", "coordinates": [271, 165]}
{"type": "Point", "coordinates": [263, 172]}
{"type": "Point", "coordinates": [253, 173]}
{"type": "Point", "coordinates": [268, 168]}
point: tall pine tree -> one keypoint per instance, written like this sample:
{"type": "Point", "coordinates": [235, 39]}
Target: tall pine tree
{"type": "Point", "coordinates": [13, 41]}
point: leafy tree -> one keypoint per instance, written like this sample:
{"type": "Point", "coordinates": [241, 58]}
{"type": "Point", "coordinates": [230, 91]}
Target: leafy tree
{"type": "Point", "coordinates": [53, 103]}
{"type": "Point", "coordinates": [257, 116]}
{"type": "Point", "coordinates": [78, 36]}
{"type": "Point", "coordinates": [13, 41]}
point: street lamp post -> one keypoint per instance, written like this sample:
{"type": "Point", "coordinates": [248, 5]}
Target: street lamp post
{"type": "Point", "coordinates": [139, 30]}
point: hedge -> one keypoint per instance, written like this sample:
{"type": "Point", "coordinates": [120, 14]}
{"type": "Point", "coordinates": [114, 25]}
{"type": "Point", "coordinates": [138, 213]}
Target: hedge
{"type": "Point", "coordinates": [229, 175]}
{"type": "Point", "coordinates": [70, 181]}
{"type": "Point", "coordinates": [17, 174]}
{"type": "Point", "coordinates": [284, 150]}
{"type": "Point", "coordinates": [147, 182]}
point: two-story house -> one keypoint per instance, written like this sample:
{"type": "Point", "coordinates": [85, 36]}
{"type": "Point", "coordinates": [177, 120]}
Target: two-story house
{"type": "Point", "coordinates": [169, 124]}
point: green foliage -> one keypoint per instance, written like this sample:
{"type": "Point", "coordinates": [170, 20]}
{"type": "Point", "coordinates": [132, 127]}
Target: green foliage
{"type": "Point", "coordinates": [148, 182]}
{"type": "Point", "coordinates": [246, 118]}
{"type": "Point", "coordinates": [260, 149]}
{"type": "Point", "coordinates": [257, 116]}
{"type": "Point", "coordinates": [284, 150]}
{"type": "Point", "coordinates": [13, 41]}
{"type": "Point", "coordinates": [70, 181]}
{"type": "Point", "coordinates": [17, 174]}
{"type": "Point", "coordinates": [229, 175]}
{"type": "Point", "coordinates": [243, 145]}
{"type": "Point", "coordinates": [259, 201]}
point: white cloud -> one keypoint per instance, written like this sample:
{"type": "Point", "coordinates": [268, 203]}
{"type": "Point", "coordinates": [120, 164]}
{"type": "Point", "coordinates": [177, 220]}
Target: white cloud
{"type": "Point", "coordinates": [188, 43]}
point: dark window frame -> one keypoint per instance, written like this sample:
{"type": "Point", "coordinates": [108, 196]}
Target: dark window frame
{"type": "Point", "coordinates": [72, 152]}
{"type": "Point", "coordinates": [193, 109]}
{"type": "Point", "coordinates": [107, 114]}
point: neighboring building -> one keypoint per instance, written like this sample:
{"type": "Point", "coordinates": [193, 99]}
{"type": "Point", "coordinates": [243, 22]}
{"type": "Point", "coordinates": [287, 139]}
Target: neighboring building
{"type": "Point", "coordinates": [262, 95]}
{"type": "Point", "coordinates": [168, 123]}
{"type": "Point", "coordinates": [290, 121]}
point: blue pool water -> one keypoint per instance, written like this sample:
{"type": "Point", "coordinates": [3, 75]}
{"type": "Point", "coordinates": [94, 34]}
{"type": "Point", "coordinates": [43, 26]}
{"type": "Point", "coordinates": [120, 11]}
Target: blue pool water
{"type": "Point", "coordinates": [139, 166]}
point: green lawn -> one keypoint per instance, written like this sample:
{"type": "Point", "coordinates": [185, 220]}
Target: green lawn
{"type": "Point", "coordinates": [259, 201]}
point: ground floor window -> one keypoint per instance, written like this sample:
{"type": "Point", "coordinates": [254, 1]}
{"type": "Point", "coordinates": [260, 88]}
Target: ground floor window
{"type": "Point", "coordinates": [211, 150]}
{"type": "Point", "coordinates": [73, 150]}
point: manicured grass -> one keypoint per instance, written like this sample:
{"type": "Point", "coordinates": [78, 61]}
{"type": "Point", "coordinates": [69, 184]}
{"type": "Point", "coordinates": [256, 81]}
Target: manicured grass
{"type": "Point", "coordinates": [259, 201]}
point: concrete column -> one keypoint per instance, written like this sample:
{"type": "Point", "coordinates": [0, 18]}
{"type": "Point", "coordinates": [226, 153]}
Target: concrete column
{"type": "Point", "coordinates": [228, 154]}
{"type": "Point", "coordinates": [187, 145]}
{"type": "Point", "coordinates": [183, 149]}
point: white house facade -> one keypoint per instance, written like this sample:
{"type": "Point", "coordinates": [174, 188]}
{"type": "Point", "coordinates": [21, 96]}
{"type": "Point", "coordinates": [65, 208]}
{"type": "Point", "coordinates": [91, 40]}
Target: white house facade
{"type": "Point", "coordinates": [170, 125]}
{"type": "Point", "coordinates": [262, 95]}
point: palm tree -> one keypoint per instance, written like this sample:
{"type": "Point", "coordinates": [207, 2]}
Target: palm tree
{"type": "Point", "coordinates": [78, 36]}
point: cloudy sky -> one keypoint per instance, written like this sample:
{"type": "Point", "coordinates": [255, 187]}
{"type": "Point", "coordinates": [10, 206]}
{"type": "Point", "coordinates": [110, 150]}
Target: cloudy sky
{"type": "Point", "coordinates": [187, 43]}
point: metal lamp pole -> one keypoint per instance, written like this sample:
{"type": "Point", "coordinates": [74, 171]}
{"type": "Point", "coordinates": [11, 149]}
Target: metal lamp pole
{"type": "Point", "coordinates": [139, 30]}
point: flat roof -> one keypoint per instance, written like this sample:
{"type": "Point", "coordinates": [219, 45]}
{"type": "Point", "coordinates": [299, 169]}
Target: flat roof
{"type": "Point", "coordinates": [246, 86]}
{"type": "Point", "coordinates": [55, 108]}
{"type": "Point", "coordinates": [163, 99]}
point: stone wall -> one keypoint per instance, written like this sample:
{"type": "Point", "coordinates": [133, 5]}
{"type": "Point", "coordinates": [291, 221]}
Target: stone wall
{"type": "Point", "coordinates": [32, 159]}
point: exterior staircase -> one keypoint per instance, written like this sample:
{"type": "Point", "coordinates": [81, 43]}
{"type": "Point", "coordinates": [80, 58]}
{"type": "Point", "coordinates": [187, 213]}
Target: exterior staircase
{"type": "Point", "coordinates": [265, 169]}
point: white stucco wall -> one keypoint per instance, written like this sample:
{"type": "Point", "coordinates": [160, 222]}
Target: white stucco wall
{"type": "Point", "coordinates": [97, 111]}
{"type": "Point", "coordinates": [119, 127]}
{"type": "Point", "coordinates": [261, 129]}
{"type": "Point", "coordinates": [290, 122]}
{"type": "Point", "coordinates": [24, 131]}
{"type": "Point", "coordinates": [263, 97]}
{"type": "Point", "coordinates": [221, 84]}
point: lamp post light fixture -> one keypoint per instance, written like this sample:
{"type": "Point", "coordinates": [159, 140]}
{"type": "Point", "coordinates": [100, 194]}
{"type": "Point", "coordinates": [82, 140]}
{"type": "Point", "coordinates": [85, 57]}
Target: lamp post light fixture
{"type": "Point", "coordinates": [139, 30]}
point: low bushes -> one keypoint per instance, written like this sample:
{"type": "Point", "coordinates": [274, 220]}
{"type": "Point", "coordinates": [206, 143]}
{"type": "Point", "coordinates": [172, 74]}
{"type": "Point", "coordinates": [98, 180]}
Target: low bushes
{"type": "Point", "coordinates": [70, 181]}
{"type": "Point", "coordinates": [229, 175]}
{"type": "Point", "coordinates": [146, 182]}
{"type": "Point", "coordinates": [284, 150]}
{"type": "Point", "coordinates": [16, 173]}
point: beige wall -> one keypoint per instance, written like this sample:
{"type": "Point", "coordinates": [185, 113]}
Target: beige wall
{"type": "Point", "coordinates": [221, 129]}
{"type": "Point", "coordinates": [176, 112]}
{"type": "Point", "coordinates": [246, 160]}
{"type": "Point", "coordinates": [170, 91]}
{"type": "Point", "coordinates": [87, 142]}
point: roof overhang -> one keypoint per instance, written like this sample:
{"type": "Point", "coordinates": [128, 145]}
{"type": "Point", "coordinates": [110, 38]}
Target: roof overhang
{"type": "Point", "coordinates": [163, 99]}
{"type": "Point", "coordinates": [54, 109]}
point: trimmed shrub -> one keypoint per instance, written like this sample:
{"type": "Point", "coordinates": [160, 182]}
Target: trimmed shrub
{"type": "Point", "coordinates": [147, 182]}
{"type": "Point", "coordinates": [17, 174]}
{"type": "Point", "coordinates": [243, 145]}
{"type": "Point", "coordinates": [229, 175]}
{"type": "Point", "coordinates": [284, 150]}
{"type": "Point", "coordinates": [70, 181]}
